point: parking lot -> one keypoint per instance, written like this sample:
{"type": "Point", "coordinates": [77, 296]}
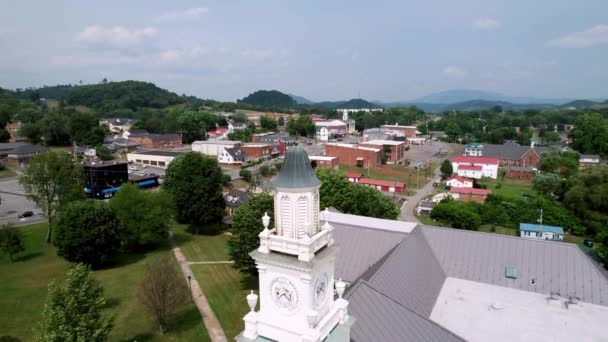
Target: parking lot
{"type": "Point", "coordinates": [13, 202]}
{"type": "Point", "coordinates": [427, 152]}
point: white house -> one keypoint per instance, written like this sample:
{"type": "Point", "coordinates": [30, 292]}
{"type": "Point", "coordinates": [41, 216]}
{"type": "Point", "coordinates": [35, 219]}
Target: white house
{"type": "Point", "coordinates": [541, 231]}
{"type": "Point", "coordinates": [475, 167]}
{"type": "Point", "coordinates": [153, 158]}
{"type": "Point", "coordinates": [231, 155]}
{"type": "Point", "coordinates": [459, 182]}
{"type": "Point", "coordinates": [327, 129]}
{"type": "Point", "coordinates": [588, 160]}
{"type": "Point", "coordinates": [235, 126]}
{"type": "Point", "coordinates": [117, 125]}
{"type": "Point", "coordinates": [213, 147]}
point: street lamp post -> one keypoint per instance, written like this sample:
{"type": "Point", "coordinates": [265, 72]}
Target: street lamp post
{"type": "Point", "coordinates": [190, 287]}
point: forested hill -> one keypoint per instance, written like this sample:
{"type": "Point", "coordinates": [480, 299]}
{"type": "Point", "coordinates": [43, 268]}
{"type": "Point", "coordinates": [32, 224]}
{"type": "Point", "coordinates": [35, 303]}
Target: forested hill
{"type": "Point", "coordinates": [350, 104]}
{"type": "Point", "coordinates": [128, 94]}
{"type": "Point", "coordinates": [269, 98]}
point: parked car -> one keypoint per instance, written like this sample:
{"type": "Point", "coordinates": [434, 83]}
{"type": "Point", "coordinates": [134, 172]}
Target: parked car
{"type": "Point", "coordinates": [26, 214]}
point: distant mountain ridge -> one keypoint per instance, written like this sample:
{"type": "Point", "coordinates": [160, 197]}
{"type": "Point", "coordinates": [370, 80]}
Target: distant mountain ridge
{"type": "Point", "coordinates": [269, 98]}
{"type": "Point", "coordinates": [463, 95]}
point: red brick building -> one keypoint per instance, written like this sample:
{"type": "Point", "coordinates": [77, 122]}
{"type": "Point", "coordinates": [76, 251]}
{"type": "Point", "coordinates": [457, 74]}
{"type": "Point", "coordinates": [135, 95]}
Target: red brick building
{"type": "Point", "coordinates": [148, 140]}
{"type": "Point", "coordinates": [383, 185]}
{"type": "Point", "coordinates": [470, 194]}
{"type": "Point", "coordinates": [519, 172]}
{"type": "Point", "coordinates": [259, 151]}
{"type": "Point", "coordinates": [394, 151]}
{"type": "Point", "coordinates": [354, 155]}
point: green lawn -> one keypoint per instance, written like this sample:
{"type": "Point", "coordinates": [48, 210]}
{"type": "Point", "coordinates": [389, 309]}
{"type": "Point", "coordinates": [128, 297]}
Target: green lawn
{"type": "Point", "coordinates": [7, 173]}
{"type": "Point", "coordinates": [427, 220]}
{"type": "Point", "coordinates": [498, 230]}
{"type": "Point", "coordinates": [399, 173]}
{"type": "Point", "coordinates": [201, 247]}
{"type": "Point", "coordinates": [224, 286]}
{"type": "Point", "coordinates": [23, 286]}
{"type": "Point", "coordinates": [508, 187]}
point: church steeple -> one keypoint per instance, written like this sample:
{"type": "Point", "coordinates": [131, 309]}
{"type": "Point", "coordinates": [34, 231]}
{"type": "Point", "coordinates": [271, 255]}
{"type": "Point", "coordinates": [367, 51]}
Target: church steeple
{"type": "Point", "coordinates": [295, 263]}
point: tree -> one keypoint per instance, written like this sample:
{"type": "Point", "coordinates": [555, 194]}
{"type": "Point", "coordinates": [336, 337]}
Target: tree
{"type": "Point", "coordinates": [87, 231]}
{"type": "Point", "coordinates": [456, 214]}
{"type": "Point", "coordinates": [195, 183]}
{"type": "Point", "coordinates": [281, 121]}
{"type": "Point", "coordinates": [446, 169]}
{"type": "Point", "coordinates": [103, 153]}
{"type": "Point", "coordinates": [73, 310]}
{"type": "Point", "coordinates": [51, 180]}
{"type": "Point", "coordinates": [336, 191]}
{"type": "Point", "coordinates": [11, 241]}
{"type": "Point", "coordinates": [590, 134]}
{"type": "Point", "coordinates": [144, 216]}
{"type": "Point", "coordinates": [162, 291]}
{"type": "Point", "coordinates": [245, 174]}
{"type": "Point", "coordinates": [240, 117]}
{"type": "Point", "coordinates": [264, 170]}
{"type": "Point", "coordinates": [246, 226]}
{"type": "Point", "coordinates": [268, 124]}
{"type": "Point", "coordinates": [563, 163]}
{"type": "Point", "coordinates": [546, 183]}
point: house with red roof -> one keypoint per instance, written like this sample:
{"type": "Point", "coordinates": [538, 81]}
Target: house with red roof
{"type": "Point", "coordinates": [469, 194]}
{"type": "Point", "coordinates": [459, 182]}
{"type": "Point", "coordinates": [475, 167]}
{"type": "Point", "coordinates": [217, 133]}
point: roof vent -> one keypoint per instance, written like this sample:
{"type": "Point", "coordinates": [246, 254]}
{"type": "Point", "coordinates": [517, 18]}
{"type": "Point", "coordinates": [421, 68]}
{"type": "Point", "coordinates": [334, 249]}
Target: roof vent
{"type": "Point", "coordinates": [511, 272]}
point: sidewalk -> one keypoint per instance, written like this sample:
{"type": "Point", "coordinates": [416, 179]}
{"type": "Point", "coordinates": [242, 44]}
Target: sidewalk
{"type": "Point", "coordinates": [216, 333]}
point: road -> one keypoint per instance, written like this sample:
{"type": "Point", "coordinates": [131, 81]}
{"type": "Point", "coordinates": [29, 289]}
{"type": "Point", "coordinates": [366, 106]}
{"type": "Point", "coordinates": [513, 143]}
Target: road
{"type": "Point", "coordinates": [13, 202]}
{"type": "Point", "coordinates": [421, 153]}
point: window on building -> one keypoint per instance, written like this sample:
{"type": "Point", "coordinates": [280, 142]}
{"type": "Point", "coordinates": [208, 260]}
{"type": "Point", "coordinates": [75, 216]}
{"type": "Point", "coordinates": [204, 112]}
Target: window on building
{"type": "Point", "coordinates": [153, 162]}
{"type": "Point", "coordinates": [161, 163]}
{"type": "Point", "coordinates": [146, 162]}
{"type": "Point", "coordinates": [138, 160]}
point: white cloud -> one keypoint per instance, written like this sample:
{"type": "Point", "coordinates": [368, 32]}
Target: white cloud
{"type": "Point", "coordinates": [454, 71]}
{"type": "Point", "coordinates": [187, 14]}
{"type": "Point", "coordinates": [597, 35]}
{"type": "Point", "coordinates": [117, 36]}
{"type": "Point", "coordinates": [486, 24]}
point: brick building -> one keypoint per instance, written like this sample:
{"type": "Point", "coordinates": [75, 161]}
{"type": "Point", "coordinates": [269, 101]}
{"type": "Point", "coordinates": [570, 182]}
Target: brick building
{"type": "Point", "coordinates": [354, 155]}
{"type": "Point", "coordinates": [394, 151]}
{"type": "Point", "coordinates": [259, 151]}
{"type": "Point", "coordinates": [149, 140]}
{"type": "Point", "coordinates": [519, 172]}
{"type": "Point", "coordinates": [508, 154]}
{"type": "Point", "coordinates": [383, 185]}
{"type": "Point", "coordinates": [470, 194]}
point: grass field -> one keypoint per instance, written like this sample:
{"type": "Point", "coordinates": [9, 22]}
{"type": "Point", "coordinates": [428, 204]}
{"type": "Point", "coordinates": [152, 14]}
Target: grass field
{"type": "Point", "coordinates": [498, 230]}
{"type": "Point", "coordinates": [23, 287]}
{"type": "Point", "coordinates": [508, 187]}
{"type": "Point", "coordinates": [7, 173]}
{"type": "Point", "coordinates": [399, 173]}
{"type": "Point", "coordinates": [224, 286]}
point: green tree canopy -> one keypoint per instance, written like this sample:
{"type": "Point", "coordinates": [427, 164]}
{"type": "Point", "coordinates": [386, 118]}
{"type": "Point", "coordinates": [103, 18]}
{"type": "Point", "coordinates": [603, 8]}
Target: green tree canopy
{"type": "Point", "coordinates": [590, 134]}
{"type": "Point", "coordinates": [73, 310]}
{"type": "Point", "coordinates": [11, 241]}
{"type": "Point", "coordinates": [336, 191]}
{"type": "Point", "coordinates": [562, 163]}
{"type": "Point", "coordinates": [144, 215]}
{"type": "Point", "coordinates": [457, 215]}
{"type": "Point", "coordinates": [195, 183]}
{"type": "Point", "coordinates": [268, 124]}
{"type": "Point", "coordinates": [446, 169]}
{"type": "Point", "coordinates": [52, 179]}
{"type": "Point", "coordinates": [87, 231]}
{"type": "Point", "coordinates": [547, 183]}
{"type": "Point", "coordinates": [246, 226]}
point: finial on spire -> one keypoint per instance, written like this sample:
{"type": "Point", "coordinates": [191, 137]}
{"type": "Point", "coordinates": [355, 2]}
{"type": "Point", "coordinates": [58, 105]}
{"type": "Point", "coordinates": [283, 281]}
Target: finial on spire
{"type": "Point", "coordinates": [266, 222]}
{"type": "Point", "coordinates": [252, 300]}
{"type": "Point", "coordinates": [340, 287]}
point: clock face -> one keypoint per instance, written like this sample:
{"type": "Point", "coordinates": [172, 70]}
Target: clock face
{"type": "Point", "coordinates": [320, 290]}
{"type": "Point", "coordinates": [284, 294]}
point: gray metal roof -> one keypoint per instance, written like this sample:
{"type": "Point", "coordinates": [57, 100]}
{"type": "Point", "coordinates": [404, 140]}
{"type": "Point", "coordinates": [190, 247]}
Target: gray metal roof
{"type": "Point", "coordinates": [380, 318]}
{"type": "Point", "coordinates": [411, 275]}
{"type": "Point", "coordinates": [160, 153]}
{"type": "Point", "coordinates": [504, 151]}
{"type": "Point", "coordinates": [482, 257]}
{"type": "Point", "coordinates": [27, 149]}
{"type": "Point", "coordinates": [296, 171]}
{"type": "Point", "coordinates": [360, 248]}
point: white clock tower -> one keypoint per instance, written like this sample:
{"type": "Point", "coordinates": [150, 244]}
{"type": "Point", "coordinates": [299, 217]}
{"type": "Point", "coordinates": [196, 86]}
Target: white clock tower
{"type": "Point", "coordinates": [295, 262]}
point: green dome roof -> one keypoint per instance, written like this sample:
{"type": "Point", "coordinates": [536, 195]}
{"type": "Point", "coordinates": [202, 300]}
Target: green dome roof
{"type": "Point", "coordinates": [296, 171]}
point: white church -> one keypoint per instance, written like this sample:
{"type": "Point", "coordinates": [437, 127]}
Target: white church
{"type": "Point", "coordinates": [328, 276]}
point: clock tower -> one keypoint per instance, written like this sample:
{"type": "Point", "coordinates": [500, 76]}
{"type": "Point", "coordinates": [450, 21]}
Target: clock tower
{"type": "Point", "coordinates": [295, 263]}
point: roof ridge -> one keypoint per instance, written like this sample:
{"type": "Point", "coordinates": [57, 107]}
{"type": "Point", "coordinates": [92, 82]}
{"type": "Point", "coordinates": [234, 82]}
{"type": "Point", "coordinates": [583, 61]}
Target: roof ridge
{"type": "Point", "coordinates": [364, 282]}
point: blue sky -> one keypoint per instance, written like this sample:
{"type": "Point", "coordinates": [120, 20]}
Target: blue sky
{"type": "Point", "coordinates": [323, 50]}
